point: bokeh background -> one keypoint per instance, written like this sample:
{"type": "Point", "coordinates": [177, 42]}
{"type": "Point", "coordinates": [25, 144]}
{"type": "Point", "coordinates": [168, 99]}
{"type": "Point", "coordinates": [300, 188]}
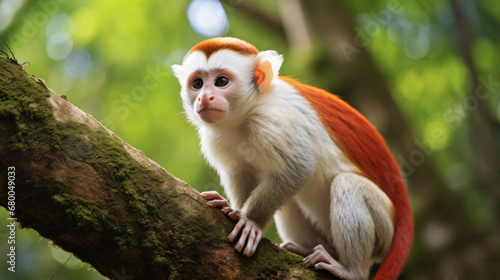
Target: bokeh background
{"type": "Point", "coordinates": [426, 74]}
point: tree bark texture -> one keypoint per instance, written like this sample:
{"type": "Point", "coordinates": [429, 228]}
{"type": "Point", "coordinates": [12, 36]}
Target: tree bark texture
{"type": "Point", "coordinates": [92, 194]}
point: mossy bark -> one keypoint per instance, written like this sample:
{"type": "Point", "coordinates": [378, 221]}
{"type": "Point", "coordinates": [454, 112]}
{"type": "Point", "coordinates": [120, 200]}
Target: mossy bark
{"type": "Point", "coordinates": [92, 194]}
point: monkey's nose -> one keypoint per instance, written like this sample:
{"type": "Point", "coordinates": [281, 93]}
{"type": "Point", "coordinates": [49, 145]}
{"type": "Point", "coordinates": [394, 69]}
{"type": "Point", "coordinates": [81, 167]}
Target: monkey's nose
{"type": "Point", "coordinates": [210, 98]}
{"type": "Point", "coordinates": [206, 100]}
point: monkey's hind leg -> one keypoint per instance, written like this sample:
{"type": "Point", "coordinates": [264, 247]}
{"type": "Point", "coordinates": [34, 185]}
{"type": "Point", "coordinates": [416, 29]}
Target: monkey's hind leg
{"type": "Point", "coordinates": [361, 225]}
{"type": "Point", "coordinates": [298, 234]}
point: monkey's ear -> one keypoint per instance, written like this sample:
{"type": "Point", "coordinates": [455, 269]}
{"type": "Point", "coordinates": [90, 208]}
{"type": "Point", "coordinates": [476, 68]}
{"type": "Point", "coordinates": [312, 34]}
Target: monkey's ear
{"type": "Point", "coordinates": [268, 66]}
{"type": "Point", "coordinates": [178, 71]}
{"type": "Point", "coordinates": [263, 75]}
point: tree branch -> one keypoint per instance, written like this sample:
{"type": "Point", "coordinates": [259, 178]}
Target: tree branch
{"type": "Point", "coordinates": [78, 184]}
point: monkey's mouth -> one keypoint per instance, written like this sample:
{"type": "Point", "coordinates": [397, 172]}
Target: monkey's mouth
{"type": "Point", "coordinates": [201, 110]}
{"type": "Point", "coordinates": [211, 115]}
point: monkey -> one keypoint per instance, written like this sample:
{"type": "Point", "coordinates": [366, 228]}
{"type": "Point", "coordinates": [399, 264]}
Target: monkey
{"type": "Point", "coordinates": [301, 154]}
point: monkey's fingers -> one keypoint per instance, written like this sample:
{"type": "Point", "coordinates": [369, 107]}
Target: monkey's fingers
{"type": "Point", "coordinates": [218, 203]}
{"type": "Point", "coordinates": [247, 237]}
{"type": "Point", "coordinates": [212, 195]}
{"type": "Point", "coordinates": [257, 239]}
{"type": "Point", "coordinates": [235, 215]}
{"type": "Point", "coordinates": [253, 241]}
{"type": "Point", "coordinates": [236, 230]}
{"type": "Point", "coordinates": [320, 259]}
{"type": "Point", "coordinates": [250, 241]}
{"type": "Point", "coordinates": [226, 210]}
{"type": "Point", "coordinates": [243, 237]}
{"type": "Point", "coordinates": [327, 246]}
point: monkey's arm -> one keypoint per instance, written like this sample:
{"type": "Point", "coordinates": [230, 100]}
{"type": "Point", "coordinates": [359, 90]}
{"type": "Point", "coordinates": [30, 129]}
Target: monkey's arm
{"type": "Point", "coordinates": [286, 173]}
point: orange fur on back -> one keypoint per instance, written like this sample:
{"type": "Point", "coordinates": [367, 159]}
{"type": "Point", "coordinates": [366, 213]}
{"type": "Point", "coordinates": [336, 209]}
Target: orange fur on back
{"type": "Point", "coordinates": [366, 148]}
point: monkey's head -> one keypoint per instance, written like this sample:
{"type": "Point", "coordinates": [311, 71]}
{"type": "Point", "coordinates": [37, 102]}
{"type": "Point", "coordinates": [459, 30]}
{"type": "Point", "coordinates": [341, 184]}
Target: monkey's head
{"type": "Point", "coordinates": [222, 79]}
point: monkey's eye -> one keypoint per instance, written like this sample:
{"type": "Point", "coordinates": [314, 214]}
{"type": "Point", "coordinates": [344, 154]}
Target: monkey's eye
{"type": "Point", "coordinates": [221, 81]}
{"type": "Point", "coordinates": [198, 83]}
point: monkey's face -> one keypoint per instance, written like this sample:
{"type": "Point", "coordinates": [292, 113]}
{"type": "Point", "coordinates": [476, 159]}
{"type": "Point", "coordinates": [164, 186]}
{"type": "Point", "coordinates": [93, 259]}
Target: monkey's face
{"type": "Point", "coordinates": [218, 88]}
{"type": "Point", "coordinates": [208, 93]}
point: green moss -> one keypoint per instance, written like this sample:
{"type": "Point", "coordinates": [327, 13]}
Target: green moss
{"type": "Point", "coordinates": [266, 263]}
{"type": "Point", "coordinates": [151, 240]}
{"type": "Point", "coordinates": [162, 260]}
{"type": "Point", "coordinates": [19, 106]}
{"type": "Point", "coordinates": [174, 275]}
{"type": "Point", "coordinates": [194, 231]}
{"type": "Point", "coordinates": [83, 214]}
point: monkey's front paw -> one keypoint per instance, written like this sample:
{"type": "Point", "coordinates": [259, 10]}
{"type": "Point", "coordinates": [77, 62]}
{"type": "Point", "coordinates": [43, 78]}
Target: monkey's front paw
{"type": "Point", "coordinates": [251, 234]}
{"type": "Point", "coordinates": [322, 260]}
{"type": "Point", "coordinates": [216, 200]}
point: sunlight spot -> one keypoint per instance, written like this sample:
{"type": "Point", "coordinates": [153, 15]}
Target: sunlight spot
{"type": "Point", "coordinates": [78, 63]}
{"type": "Point", "coordinates": [414, 35]}
{"type": "Point", "coordinates": [8, 9]}
{"type": "Point", "coordinates": [59, 23]}
{"type": "Point", "coordinates": [6, 14]}
{"type": "Point", "coordinates": [208, 18]}
{"type": "Point", "coordinates": [59, 45]}
{"type": "Point", "coordinates": [417, 46]}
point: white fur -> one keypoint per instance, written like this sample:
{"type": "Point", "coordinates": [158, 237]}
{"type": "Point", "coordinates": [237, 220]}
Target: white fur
{"type": "Point", "coordinates": [274, 155]}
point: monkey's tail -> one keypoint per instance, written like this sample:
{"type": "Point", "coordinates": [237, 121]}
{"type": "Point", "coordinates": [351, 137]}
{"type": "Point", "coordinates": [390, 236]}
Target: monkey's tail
{"type": "Point", "coordinates": [403, 237]}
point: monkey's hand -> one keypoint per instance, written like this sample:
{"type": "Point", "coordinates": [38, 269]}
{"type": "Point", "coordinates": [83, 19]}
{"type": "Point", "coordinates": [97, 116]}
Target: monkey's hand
{"type": "Point", "coordinates": [216, 200]}
{"type": "Point", "coordinates": [250, 233]}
